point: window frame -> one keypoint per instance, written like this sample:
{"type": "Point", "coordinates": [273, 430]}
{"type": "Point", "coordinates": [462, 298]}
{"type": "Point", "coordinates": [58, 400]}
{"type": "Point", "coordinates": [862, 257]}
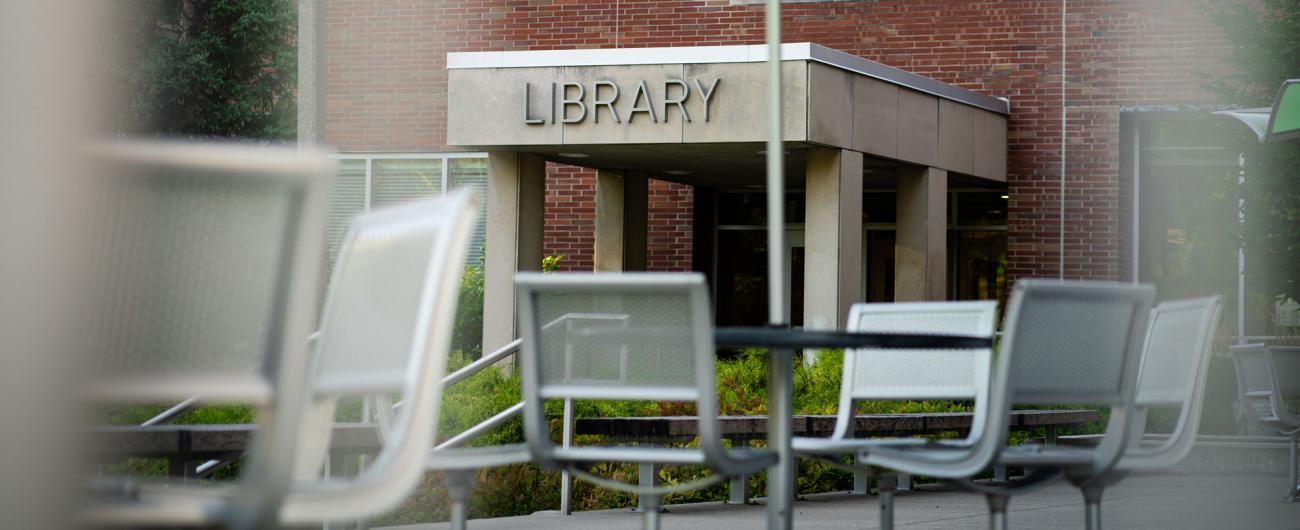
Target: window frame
{"type": "Point", "coordinates": [370, 157]}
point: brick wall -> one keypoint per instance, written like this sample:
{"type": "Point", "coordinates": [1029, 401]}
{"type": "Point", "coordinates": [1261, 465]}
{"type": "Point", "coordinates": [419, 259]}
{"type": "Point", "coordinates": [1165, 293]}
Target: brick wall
{"type": "Point", "coordinates": [570, 215]}
{"type": "Point", "coordinates": [386, 90]}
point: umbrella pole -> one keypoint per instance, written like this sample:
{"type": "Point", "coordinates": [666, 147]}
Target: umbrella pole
{"type": "Point", "coordinates": [775, 171]}
{"type": "Point", "coordinates": [781, 479]}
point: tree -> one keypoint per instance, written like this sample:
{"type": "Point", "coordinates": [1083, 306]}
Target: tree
{"type": "Point", "coordinates": [205, 68]}
{"type": "Point", "coordinates": [1266, 51]}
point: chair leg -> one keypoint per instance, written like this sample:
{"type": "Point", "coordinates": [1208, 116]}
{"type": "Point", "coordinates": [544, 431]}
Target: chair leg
{"type": "Point", "coordinates": [459, 484]}
{"type": "Point", "coordinates": [650, 512]}
{"type": "Point", "coordinates": [1092, 506]}
{"type": "Point", "coordinates": [1293, 488]}
{"type": "Point", "coordinates": [885, 485]}
{"type": "Point", "coordinates": [997, 511]}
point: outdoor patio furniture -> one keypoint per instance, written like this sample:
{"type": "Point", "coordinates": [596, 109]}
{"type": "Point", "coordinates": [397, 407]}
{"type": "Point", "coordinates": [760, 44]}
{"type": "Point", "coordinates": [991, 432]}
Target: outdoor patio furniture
{"type": "Point", "coordinates": [903, 375]}
{"type": "Point", "coordinates": [1175, 359]}
{"type": "Point", "coordinates": [1175, 366]}
{"type": "Point", "coordinates": [1063, 343]}
{"type": "Point", "coordinates": [659, 349]}
{"type": "Point", "coordinates": [781, 343]}
{"type": "Point", "coordinates": [1267, 377]}
{"type": "Point", "coordinates": [205, 282]}
{"type": "Point", "coordinates": [385, 328]}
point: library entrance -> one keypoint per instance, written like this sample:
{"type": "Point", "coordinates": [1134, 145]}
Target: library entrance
{"type": "Point", "coordinates": [895, 182]}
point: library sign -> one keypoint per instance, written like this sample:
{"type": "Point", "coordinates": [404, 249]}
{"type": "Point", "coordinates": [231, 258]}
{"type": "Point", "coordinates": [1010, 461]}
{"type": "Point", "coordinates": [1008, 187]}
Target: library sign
{"type": "Point", "coordinates": [574, 101]}
{"type": "Point", "coordinates": [635, 104]}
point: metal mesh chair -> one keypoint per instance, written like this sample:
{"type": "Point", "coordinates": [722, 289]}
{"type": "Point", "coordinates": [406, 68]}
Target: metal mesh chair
{"type": "Point", "coordinates": [1175, 362]}
{"type": "Point", "coordinates": [1063, 343]}
{"type": "Point", "coordinates": [1284, 363]}
{"type": "Point", "coordinates": [885, 374]}
{"type": "Point", "coordinates": [206, 278]}
{"type": "Point", "coordinates": [1267, 377]}
{"type": "Point", "coordinates": [623, 337]}
{"type": "Point", "coordinates": [386, 328]}
{"type": "Point", "coordinates": [1254, 383]}
{"type": "Point", "coordinates": [459, 464]}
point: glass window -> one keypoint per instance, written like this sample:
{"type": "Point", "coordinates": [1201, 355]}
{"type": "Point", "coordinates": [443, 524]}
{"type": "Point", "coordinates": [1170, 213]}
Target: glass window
{"type": "Point", "coordinates": [1187, 210]}
{"type": "Point", "coordinates": [471, 173]}
{"type": "Point", "coordinates": [981, 208]}
{"type": "Point", "coordinates": [879, 207]}
{"type": "Point", "coordinates": [365, 182]}
{"type": "Point", "coordinates": [750, 208]}
{"type": "Point", "coordinates": [348, 198]}
{"type": "Point", "coordinates": [741, 277]}
{"type": "Point", "coordinates": [980, 265]}
{"type": "Point", "coordinates": [397, 180]}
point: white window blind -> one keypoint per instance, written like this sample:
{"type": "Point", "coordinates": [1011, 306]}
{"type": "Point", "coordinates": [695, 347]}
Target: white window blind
{"type": "Point", "coordinates": [366, 181]}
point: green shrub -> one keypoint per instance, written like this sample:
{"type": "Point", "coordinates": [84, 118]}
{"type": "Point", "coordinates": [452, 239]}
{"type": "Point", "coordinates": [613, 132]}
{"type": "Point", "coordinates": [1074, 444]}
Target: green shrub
{"type": "Point", "coordinates": [467, 334]}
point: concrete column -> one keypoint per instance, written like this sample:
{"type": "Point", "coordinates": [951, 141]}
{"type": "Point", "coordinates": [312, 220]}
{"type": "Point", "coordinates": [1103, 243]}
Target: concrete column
{"type": "Point", "coordinates": [832, 237]}
{"type": "Point", "coordinates": [515, 199]}
{"type": "Point", "coordinates": [622, 207]}
{"type": "Point", "coordinates": [921, 248]}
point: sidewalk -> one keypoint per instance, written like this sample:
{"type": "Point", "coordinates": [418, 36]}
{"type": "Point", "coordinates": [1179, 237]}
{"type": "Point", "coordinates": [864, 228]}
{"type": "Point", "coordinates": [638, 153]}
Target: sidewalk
{"type": "Point", "coordinates": [1183, 502]}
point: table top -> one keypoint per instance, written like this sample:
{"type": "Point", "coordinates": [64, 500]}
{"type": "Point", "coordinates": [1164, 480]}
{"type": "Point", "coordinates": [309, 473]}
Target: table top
{"type": "Point", "coordinates": [794, 338]}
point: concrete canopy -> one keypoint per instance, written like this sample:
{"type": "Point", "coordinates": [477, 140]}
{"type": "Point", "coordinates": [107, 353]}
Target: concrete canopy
{"type": "Point", "coordinates": [694, 115]}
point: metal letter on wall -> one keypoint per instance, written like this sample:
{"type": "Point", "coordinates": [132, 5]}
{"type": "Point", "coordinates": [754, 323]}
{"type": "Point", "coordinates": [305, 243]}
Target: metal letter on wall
{"type": "Point", "coordinates": [642, 92]}
{"type": "Point", "coordinates": [565, 102]}
{"type": "Point", "coordinates": [668, 99]}
{"type": "Point", "coordinates": [707, 94]}
{"type": "Point", "coordinates": [596, 102]}
{"type": "Point", "coordinates": [527, 118]}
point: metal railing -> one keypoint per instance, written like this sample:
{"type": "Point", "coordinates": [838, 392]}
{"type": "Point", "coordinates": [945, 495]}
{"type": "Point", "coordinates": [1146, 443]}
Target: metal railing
{"type": "Point", "coordinates": [369, 413]}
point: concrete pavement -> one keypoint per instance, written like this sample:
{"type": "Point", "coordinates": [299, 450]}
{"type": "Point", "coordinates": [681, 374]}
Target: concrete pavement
{"type": "Point", "coordinates": [1147, 502]}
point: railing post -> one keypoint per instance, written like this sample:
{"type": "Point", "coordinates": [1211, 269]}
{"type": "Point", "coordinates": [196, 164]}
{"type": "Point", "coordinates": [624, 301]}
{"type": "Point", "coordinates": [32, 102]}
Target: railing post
{"type": "Point", "coordinates": [739, 483]}
{"type": "Point", "coordinates": [861, 482]}
{"type": "Point", "coordinates": [647, 477]}
{"type": "Point", "coordinates": [566, 481]}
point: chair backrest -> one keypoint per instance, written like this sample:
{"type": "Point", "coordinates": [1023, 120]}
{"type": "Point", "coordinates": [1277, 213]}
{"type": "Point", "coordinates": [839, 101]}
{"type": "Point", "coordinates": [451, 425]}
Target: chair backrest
{"type": "Point", "coordinates": [386, 328]}
{"type": "Point", "coordinates": [1079, 342]}
{"type": "Point", "coordinates": [1284, 364]}
{"type": "Point", "coordinates": [1178, 335]}
{"type": "Point", "coordinates": [1254, 382]}
{"type": "Point", "coordinates": [206, 280]}
{"type": "Point", "coordinates": [615, 337]}
{"type": "Point", "coordinates": [891, 374]}
{"type": "Point", "coordinates": [1175, 361]}
{"type": "Point", "coordinates": [1076, 342]}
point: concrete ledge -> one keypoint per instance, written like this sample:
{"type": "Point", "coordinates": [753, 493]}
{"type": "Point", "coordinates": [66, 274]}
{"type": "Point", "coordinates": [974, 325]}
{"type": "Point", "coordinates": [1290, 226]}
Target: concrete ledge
{"type": "Point", "coordinates": [668, 428]}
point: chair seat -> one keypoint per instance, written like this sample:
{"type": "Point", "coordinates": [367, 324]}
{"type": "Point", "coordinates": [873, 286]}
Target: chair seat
{"type": "Point", "coordinates": [742, 461]}
{"type": "Point", "coordinates": [1039, 456]}
{"type": "Point", "coordinates": [472, 458]}
{"type": "Point", "coordinates": [848, 446]}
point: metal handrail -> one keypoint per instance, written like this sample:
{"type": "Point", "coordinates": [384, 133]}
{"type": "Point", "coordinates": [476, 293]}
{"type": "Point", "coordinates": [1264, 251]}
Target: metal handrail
{"type": "Point", "coordinates": [172, 413]}
{"type": "Point", "coordinates": [482, 427]}
{"type": "Point", "coordinates": [463, 373]}
{"type": "Point", "coordinates": [481, 363]}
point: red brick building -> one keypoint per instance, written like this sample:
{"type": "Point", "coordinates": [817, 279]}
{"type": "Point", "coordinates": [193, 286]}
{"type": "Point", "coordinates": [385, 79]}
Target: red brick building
{"type": "Point", "coordinates": [1088, 81]}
